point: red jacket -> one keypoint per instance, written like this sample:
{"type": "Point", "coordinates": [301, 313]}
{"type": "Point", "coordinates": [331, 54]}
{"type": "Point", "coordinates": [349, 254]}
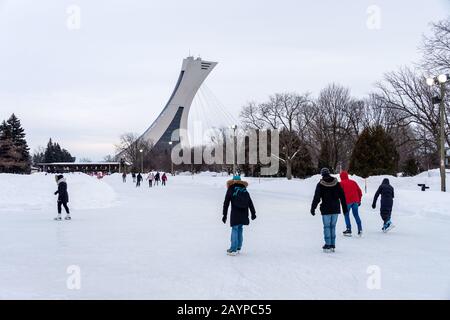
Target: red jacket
{"type": "Point", "coordinates": [353, 193]}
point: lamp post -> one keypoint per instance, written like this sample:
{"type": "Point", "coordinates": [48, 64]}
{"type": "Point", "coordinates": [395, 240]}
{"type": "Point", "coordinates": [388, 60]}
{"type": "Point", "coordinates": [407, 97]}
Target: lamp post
{"type": "Point", "coordinates": [142, 160]}
{"type": "Point", "coordinates": [234, 127]}
{"type": "Point", "coordinates": [171, 162]}
{"type": "Point", "coordinates": [441, 80]}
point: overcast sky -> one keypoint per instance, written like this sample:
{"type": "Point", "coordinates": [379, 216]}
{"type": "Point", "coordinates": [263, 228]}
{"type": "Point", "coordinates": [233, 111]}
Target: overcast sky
{"type": "Point", "coordinates": [86, 86]}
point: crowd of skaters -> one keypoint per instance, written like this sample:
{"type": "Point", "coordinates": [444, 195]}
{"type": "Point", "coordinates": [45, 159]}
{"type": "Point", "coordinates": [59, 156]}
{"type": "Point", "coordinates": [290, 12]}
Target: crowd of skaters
{"type": "Point", "coordinates": [153, 179]}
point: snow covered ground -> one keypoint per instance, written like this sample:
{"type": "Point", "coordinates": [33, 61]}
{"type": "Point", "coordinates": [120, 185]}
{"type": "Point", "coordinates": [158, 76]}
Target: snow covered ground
{"type": "Point", "coordinates": [169, 243]}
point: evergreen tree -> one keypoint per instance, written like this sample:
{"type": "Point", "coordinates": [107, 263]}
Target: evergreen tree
{"type": "Point", "coordinates": [19, 141]}
{"type": "Point", "coordinates": [10, 156]}
{"type": "Point", "coordinates": [411, 167]}
{"type": "Point", "coordinates": [54, 153]}
{"type": "Point", "coordinates": [374, 153]}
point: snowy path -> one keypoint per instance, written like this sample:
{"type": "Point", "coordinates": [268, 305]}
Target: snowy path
{"type": "Point", "coordinates": [169, 243]}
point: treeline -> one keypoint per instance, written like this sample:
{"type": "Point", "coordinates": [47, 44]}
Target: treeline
{"type": "Point", "coordinates": [14, 151]}
{"type": "Point", "coordinates": [394, 129]}
{"type": "Point", "coordinates": [52, 153]}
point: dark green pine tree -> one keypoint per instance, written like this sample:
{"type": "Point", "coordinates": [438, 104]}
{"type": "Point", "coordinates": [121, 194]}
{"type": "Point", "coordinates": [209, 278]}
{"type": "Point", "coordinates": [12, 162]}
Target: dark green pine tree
{"type": "Point", "coordinates": [54, 153]}
{"type": "Point", "coordinates": [411, 167]}
{"type": "Point", "coordinates": [10, 157]}
{"type": "Point", "coordinates": [19, 141]}
{"type": "Point", "coordinates": [374, 153]}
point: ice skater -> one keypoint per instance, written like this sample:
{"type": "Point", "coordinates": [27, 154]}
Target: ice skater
{"type": "Point", "coordinates": [124, 177]}
{"type": "Point", "coordinates": [329, 192]}
{"type": "Point", "coordinates": [150, 178]}
{"type": "Point", "coordinates": [241, 202]}
{"type": "Point", "coordinates": [353, 196]}
{"type": "Point", "coordinates": [133, 175]}
{"type": "Point", "coordinates": [63, 197]}
{"type": "Point", "coordinates": [387, 202]}
{"type": "Point", "coordinates": [164, 179]}
{"type": "Point", "coordinates": [157, 178]}
{"type": "Point", "coordinates": [138, 180]}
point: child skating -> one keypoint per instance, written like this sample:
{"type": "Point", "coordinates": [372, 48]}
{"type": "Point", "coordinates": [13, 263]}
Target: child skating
{"type": "Point", "coordinates": [241, 202]}
{"type": "Point", "coordinates": [387, 201]}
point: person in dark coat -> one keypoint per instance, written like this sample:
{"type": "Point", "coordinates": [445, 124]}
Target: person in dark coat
{"type": "Point", "coordinates": [386, 191]}
{"type": "Point", "coordinates": [138, 180]}
{"type": "Point", "coordinates": [124, 177]}
{"type": "Point", "coordinates": [157, 178]}
{"type": "Point", "coordinates": [63, 196]}
{"type": "Point", "coordinates": [331, 197]}
{"type": "Point", "coordinates": [241, 202]}
{"type": "Point", "coordinates": [164, 179]}
{"type": "Point", "coordinates": [133, 175]}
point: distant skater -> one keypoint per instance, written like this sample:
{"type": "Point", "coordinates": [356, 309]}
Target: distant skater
{"type": "Point", "coordinates": [138, 180]}
{"type": "Point", "coordinates": [124, 177]}
{"type": "Point", "coordinates": [157, 178]}
{"type": "Point", "coordinates": [329, 192]}
{"type": "Point", "coordinates": [387, 202]}
{"type": "Point", "coordinates": [133, 175]}
{"type": "Point", "coordinates": [241, 202]}
{"type": "Point", "coordinates": [164, 179]}
{"type": "Point", "coordinates": [150, 178]}
{"type": "Point", "coordinates": [353, 196]}
{"type": "Point", "coordinates": [63, 197]}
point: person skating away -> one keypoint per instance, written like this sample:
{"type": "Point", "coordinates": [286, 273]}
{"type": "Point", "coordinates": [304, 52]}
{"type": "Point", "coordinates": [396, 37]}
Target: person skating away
{"type": "Point", "coordinates": [150, 178]}
{"type": "Point", "coordinates": [133, 175]}
{"type": "Point", "coordinates": [63, 197]}
{"type": "Point", "coordinates": [241, 202]}
{"type": "Point", "coordinates": [163, 179]}
{"type": "Point", "coordinates": [353, 196]}
{"type": "Point", "coordinates": [138, 180]}
{"type": "Point", "coordinates": [331, 197]}
{"type": "Point", "coordinates": [124, 177]}
{"type": "Point", "coordinates": [387, 201]}
{"type": "Point", "coordinates": [157, 178]}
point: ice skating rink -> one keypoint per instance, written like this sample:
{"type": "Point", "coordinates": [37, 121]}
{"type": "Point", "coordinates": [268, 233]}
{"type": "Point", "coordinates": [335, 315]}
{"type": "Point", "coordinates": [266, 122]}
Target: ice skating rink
{"type": "Point", "coordinates": [169, 243]}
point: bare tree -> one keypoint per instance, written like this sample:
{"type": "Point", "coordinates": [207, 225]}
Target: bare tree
{"type": "Point", "coordinates": [436, 48]}
{"type": "Point", "coordinates": [129, 148]}
{"type": "Point", "coordinates": [282, 111]}
{"type": "Point", "coordinates": [408, 98]}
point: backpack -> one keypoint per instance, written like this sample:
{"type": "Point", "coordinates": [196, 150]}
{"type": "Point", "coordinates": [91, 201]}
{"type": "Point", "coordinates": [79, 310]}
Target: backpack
{"type": "Point", "coordinates": [240, 198]}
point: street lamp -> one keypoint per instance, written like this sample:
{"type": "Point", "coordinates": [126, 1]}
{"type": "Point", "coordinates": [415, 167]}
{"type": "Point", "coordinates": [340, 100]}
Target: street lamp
{"type": "Point", "coordinates": [171, 162]}
{"type": "Point", "coordinates": [234, 127]}
{"type": "Point", "coordinates": [142, 160]}
{"type": "Point", "coordinates": [441, 80]}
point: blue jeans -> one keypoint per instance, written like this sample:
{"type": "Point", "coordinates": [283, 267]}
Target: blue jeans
{"type": "Point", "coordinates": [329, 228]}
{"type": "Point", "coordinates": [354, 208]}
{"type": "Point", "coordinates": [236, 237]}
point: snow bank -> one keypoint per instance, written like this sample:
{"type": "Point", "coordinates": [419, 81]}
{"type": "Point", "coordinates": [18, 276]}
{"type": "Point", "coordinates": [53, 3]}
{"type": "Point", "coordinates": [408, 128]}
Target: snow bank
{"type": "Point", "coordinates": [35, 192]}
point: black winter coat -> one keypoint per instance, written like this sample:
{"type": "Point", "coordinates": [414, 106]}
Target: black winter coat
{"type": "Point", "coordinates": [238, 215]}
{"type": "Point", "coordinates": [387, 196]}
{"type": "Point", "coordinates": [62, 193]}
{"type": "Point", "coordinates": [331, 195]}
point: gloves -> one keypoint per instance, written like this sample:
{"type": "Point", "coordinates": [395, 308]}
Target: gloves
{"type": "Point", "coordinates": [56, 192]}
{"type": "Point", "coordinates": [224, 219]}
{"type": "Point", "coordinates": [373, 206]}
{"type": "Point", "coordinates": [253, 216]}
{"type": "Point", "coordinates": [313, 212]}
{"type": "Point", "coordinates": [359, 204]}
